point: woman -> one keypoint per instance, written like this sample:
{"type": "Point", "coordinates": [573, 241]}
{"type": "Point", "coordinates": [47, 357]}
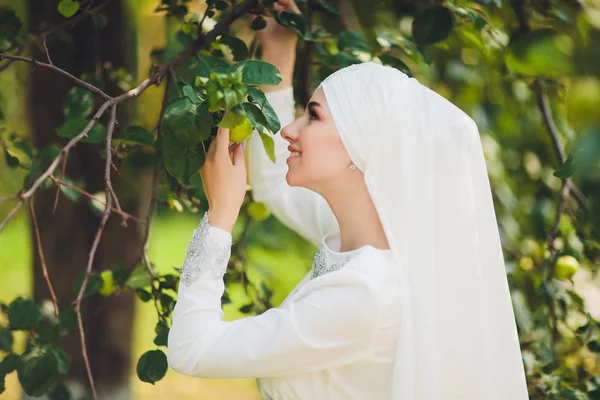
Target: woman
{"type": "Point", "coordinates": [407, 297]}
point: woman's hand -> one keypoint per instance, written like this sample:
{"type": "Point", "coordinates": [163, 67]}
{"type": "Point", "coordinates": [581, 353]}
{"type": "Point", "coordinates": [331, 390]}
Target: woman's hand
{"type": "Point", "coordinates": [278, 45]}
{"type": "Point", "coordinates": [276, 37]}
{"type": "Point", "coordinates": [224, 181]}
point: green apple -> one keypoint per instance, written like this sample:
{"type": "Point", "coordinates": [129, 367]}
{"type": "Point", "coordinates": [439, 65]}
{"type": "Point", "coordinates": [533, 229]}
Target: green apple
{"type": "Point", "coordinates": [566, 267]}
{"type": "Point", "coordinates": [108, 284]}
{"type": "Point", "coordinates": [240, 127]}
{"type": "Point", "coordinates": [526, 263]}
{"type": "Point", "coordinates": [258, 211]}
{"type": "Point", "coordinates": [241, 131]}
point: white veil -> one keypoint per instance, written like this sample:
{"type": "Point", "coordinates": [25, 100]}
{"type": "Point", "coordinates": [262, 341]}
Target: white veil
{"type": "Point", "coordinates": [425, 170]}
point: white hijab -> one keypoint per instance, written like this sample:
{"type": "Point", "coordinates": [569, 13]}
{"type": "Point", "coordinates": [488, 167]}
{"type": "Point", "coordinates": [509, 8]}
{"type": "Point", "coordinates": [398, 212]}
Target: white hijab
{"type": "Point", "coordinates": [425, 170]}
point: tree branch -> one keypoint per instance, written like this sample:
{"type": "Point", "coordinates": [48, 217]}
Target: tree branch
{"type": "Point", "coordinates": [123, 214]}
{"type": "Point", "coordinates": [42, 258]}
{"type": "Point", "coordinates": [88, 270]}
{"type": "Point", "coordinates": [77, 81]}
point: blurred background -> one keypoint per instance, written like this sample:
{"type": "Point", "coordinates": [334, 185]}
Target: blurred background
{"type": "Point", "coordinates": [528, 72]}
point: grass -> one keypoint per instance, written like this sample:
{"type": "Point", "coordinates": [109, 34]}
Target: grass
{"type": "Point", "coordinates": [168, 241]}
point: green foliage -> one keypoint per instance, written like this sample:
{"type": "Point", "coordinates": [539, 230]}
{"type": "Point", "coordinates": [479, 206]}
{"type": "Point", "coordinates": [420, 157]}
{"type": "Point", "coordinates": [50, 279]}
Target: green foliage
{"type": "Point", "coordinates": [152, 366]}
{"type": "Point", "coordinates": [68, 8]}
{"type": "Point", "coordinates": [505, 63]}
{"type": "Point", "coordinates": [432, 26]}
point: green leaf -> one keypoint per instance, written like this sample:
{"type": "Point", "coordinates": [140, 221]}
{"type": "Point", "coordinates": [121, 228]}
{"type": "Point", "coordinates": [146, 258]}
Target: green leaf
{"type": "Point", "coordinates": [60, 392]}
{"type": "Point", "coordinates": [38, 374]}
{"type": "Point", "coordinates": [388, 59]}
{"type": "Point", "coordinates": [136, 135]}
{"type": "Point", "coordinates": [258, 24]}
{"type": "Point", "coordinates": [182, 161]}
{"type": "Point", "coordinates": [48, 333]}
{"type": "Point", "coordinates": [478, 21]}
{"type": "Point", "coordinates": [190, 93]}
{"type": "Point", "coordinates": [208, 64]}
{"type": "Point", "coordinates": [567, 169]}
{"type": "Point", "coordinates": [432, 26]}
{"type": "Point", "coordinates": [10, 363]}
{"type": "Point", "coordinates": [67, 319]}
{"type": "Point", "coordinates": [330, 8]}
{"type": "Point", "coordinates": [352, 40]}
{"type": "Point", "coordinates": [78, 102]}
{"type": "Point", "coordinates": [68, 8]}
{"type": "Point", "coordinates": [246, 308]}
{"type": "Point", "coordinates": [23, 314]}
{"type": "Point", "coordinates": [120, 274]}
{"type": "Point", "coordinates": [167, 302]}
{"type": "Point", "coordinates": [269, 145]}
{"type": "Point", "coordinates": [69, 193]}
{"type": "Point", "coordinates": [6, 340]}
{"type": "Point", "coordinates": [62, 358]}
{"type": "Point", "coordinates": [12, 162]}
{"type": "Point", "coordinates": [292, 20]}
{"type": "Point", "coordinates": [75, 126]}
{"type": "Point", "coordinates": [162, 334]}
{"type": "Point", "coordinates": [256, 117]}
{"type": "Point", "coordinates": [93, 286]}
{"type": "Point", "coordinates": [152, 366]}
{"type": "Point", "coordinates": [179, 122]}
{"type": "Point", "coordinates": [143, 295]}
{"type": "Point", "coordinates": [140, 278]}
{"type": "Point", "coordinates": [256, 72]}
{"type": "Point", "coordinates": [256, 95]}
{"type": "Point", "coordinates": [203, 121]}
{"type": "Point", "coordinates": [594, 346]}
{"type": "Point", "coordinates": [221, 5]}
{"type": "Point", "coordinates": [237, 46]}
{"type": "Point", "coordinates": [170, 282]}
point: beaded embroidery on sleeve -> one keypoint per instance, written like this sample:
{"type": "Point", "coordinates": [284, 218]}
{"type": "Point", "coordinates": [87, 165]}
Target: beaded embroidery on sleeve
{"type": "Point", "coordinates": [321, 266]}
{"type": "Point", "coordinates": [207, 254]}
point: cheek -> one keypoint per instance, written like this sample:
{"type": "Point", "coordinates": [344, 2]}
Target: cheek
{"type": "Point", "coordinates": [323, 150]}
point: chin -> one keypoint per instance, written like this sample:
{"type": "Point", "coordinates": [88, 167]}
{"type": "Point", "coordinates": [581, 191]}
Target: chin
{"type": "Point", "coordinates": [291, 179]}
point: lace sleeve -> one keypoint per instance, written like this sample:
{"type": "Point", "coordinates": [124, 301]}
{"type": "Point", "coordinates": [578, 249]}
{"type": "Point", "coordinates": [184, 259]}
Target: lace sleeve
{"type": "Point", "coordinates": [207, 253]}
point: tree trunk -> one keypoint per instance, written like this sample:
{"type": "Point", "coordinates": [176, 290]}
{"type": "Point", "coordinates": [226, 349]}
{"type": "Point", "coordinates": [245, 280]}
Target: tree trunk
{"type": "Point", "coordinates": [68, 233]}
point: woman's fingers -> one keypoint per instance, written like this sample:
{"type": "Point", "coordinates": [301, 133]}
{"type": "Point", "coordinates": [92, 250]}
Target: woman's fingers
{"type": "Point", "coordinates": [238, 155]}
{"type": "Point", "coordinates": [219, 145]}
{"type": "Point", "coordinates": [222, 142]}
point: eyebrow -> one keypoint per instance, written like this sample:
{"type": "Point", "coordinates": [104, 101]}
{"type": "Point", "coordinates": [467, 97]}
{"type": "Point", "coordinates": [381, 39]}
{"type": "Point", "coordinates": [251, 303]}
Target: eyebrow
{"type": "Point", "coordinates": [313, 104]}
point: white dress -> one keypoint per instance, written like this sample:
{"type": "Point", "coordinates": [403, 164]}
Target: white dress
{"type": "Point", "coordinates": [333, 337]}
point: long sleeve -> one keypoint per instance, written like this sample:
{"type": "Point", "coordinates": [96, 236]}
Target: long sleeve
{"type": "Point", "coordinates": [330, 322]}
{"type": "Point", "coordinates": [302, 210]}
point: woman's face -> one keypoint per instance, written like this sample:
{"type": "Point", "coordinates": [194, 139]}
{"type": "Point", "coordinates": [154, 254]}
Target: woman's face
{"type": "Point", "coordinates": [317, 154]}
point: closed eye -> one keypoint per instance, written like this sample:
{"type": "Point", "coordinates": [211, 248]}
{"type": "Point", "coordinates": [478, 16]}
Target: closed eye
{"type": "Point", "coordinates": [312, 115]}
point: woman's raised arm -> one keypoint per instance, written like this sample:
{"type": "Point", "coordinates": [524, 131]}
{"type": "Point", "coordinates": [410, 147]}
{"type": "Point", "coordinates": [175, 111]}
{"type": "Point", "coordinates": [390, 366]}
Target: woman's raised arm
{"type": "Point", "coordinates": [302, 210]}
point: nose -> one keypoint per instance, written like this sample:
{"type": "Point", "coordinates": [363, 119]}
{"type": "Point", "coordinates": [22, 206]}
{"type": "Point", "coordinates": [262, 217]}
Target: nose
{"type": "Point", "coordinates": [290, 133]}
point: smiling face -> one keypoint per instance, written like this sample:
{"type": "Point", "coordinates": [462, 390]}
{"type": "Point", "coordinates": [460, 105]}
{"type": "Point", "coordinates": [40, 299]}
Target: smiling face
{"type": "Point", "coordinates": [317, 154]}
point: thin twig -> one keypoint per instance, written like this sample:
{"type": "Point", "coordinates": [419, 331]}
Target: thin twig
{"type": "Point", "coordinates": [62, 176]}
{"type": "Point", "coordinates": [43, 41]}
{"type": "Point", "coordinates": [26, 195]}
{"type": "Point", "coordinates": [71, 21]}
{"type": "Point", "coordinates": [123, 214]}
{"type": "Point", "coordinates": [18, 53]}
{"type": "Point", "coordinates": [8, 198]}
{"type": "Point", "coordinates": [42, 258]}
{"type": "Point", "coordinates": [77, 81]}
{"type": "Point", "coordinates": [76, 18]}
{"type": "Point", "coordinates": [88, 271]}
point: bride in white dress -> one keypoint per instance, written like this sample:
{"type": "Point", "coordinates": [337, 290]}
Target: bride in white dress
{"type": "Point", "coordinates": [407, 297]}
